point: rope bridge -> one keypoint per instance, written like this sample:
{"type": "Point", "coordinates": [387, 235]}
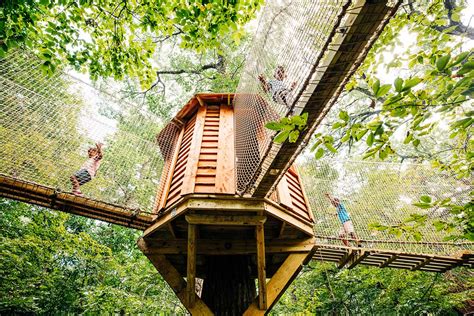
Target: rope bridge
{"type": "Point", "coordinates": [382, 194]}
{"type": "Point", "coordinates": [47, 124]}
{"type": "Point", "coordinates": [301, 57]}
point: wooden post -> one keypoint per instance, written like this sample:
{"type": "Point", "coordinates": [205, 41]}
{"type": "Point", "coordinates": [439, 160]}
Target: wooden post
{"type": "Point", "coordinates": [262, 279]}
{"type": "Point", "coordinates": [191, 269]}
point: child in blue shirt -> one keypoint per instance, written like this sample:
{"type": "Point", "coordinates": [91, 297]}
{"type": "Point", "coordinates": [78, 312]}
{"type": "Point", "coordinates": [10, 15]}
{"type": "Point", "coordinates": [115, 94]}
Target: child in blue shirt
{"type": "Point", "coordinates": [347, 226]}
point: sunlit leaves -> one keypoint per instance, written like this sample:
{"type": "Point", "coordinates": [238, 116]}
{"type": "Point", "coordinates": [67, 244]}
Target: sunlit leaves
{"type": "Point", "coordinates": [118, 38]}
{"type": "Point", "coordinates": [289, 128]}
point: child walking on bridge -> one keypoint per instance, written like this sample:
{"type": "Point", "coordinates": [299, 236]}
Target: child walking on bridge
{"type": "Point", "coordinates": [88, 169]}
{"type": "Point", "coordinates": [347, 226]}
{"type": "Point", "coordinates": [276, 87]}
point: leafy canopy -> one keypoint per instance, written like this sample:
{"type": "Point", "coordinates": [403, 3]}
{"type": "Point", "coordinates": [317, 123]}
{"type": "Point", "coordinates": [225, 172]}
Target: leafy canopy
{"type": "Point", "coordinates": [110, 38]}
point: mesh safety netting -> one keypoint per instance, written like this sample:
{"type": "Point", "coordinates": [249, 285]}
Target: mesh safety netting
{"type": "Point", "coordinates": [379, 194]}
{"type": "Point", "coordinates": [289, 40]}
{"type": "Point", "coordinates": [49, 126]}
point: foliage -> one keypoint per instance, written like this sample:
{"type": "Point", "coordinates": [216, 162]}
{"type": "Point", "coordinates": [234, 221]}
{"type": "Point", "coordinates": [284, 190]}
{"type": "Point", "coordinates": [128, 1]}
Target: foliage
{"type": "Point", "coordinates": [322, 289]}
{"type": "Point", "coordinates": [289, 128]}
{"type": "Point", "coordinates": [117, 39]}
{"type": "Point", "coordinates": [53, 263]}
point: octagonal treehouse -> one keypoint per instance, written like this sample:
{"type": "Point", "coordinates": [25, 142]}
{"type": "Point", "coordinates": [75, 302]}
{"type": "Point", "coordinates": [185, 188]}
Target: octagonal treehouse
{"type": "Point", "coordinates": [205, 229]}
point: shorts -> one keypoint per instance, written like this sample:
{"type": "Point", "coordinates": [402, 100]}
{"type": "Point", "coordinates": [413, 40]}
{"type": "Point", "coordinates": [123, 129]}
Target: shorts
{"type": "Point", "coordinates": [346, 228]}
{"type": "Point", "coordinates": [281, 97]}
{"type": "Point", "coordinates": [83, 176]}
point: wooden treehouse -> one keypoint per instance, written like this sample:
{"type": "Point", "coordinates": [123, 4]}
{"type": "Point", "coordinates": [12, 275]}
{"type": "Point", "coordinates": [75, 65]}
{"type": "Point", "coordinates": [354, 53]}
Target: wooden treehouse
{"type": "Point", "coordinates": [205, 230]}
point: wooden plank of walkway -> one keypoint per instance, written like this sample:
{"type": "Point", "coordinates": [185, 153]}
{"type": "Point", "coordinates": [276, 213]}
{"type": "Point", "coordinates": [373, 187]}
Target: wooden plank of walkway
{"type": "Point", "coordinates": [44, 196]}
{"type": "Point", "coordinates": [346, 52]}
{"type": "Point", "coordinates": [349, 257]}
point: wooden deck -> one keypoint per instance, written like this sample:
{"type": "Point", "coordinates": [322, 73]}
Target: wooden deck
{"type": "Point", "coordinates": [41, 195]}
{"type": "Point", "coordinates": [349, 257]}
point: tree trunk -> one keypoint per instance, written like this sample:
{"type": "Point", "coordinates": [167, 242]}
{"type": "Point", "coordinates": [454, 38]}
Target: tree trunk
{"type": "Point", "coordinates": [228, 286]}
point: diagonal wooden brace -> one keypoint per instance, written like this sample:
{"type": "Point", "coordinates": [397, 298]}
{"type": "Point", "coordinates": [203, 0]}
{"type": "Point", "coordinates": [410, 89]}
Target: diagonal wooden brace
{"type": "Point", "coordinates": [179, 285]}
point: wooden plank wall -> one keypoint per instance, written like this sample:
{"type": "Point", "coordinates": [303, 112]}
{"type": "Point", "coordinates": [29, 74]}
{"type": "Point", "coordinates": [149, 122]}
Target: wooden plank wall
{"type": "Point", "coordinates": [207, 162]}
{"type": "Point", "coordinates": [290, 193]}
{"type": "Point", "coordinates": [174, 191]}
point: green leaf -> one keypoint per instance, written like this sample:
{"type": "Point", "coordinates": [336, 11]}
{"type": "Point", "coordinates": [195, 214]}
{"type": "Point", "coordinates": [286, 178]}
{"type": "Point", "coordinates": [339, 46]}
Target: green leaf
{"type": "Point", "coordinates": [425, 198]}
{"type": "Point", "coordinates": [408, 138]}
{"type": "Point", "coordinates": [319, 153]}
{"type": "Point", "coordinates": [370, 139]}
{"type": "Point", "coordinates": [467, 67]}
{"type": "Point", "coordinates": [422, 205]}
{"type": "Point", "coordinates": [383, 90]}
{"type": "Point", "coordinates": [330, 147]}
{"type": "Point", "coordinates": [294, 136]}
{"type": "Point", "coordinates": [398, 84]}
{"type": "Point", "coordinates": [343, 115]}
{"type": "Point", "coordinates": [276, 126]}
{"type": "Point", "coordinates": [441, 62]}
{"type": "Point", "coordinates": [281, 137]}
{"type": "Point", "coordinates": [459, 59]}
{"type": "Point", "coordinates": [417, 236]}
{"type": "Point", "coordinates": [410, 83]}
{"type": "Point", "coordinates": [376, 86]}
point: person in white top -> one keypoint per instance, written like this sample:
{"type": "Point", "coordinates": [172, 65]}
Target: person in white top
{"type": "Point", "coordinates": [276, 87]}
{"type": "Point", "coordinates": [88, 169]}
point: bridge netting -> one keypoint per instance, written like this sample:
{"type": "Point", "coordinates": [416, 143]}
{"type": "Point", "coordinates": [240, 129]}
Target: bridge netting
{"type": "Point", "coordinates": [380, 198]}
{"type": "Point", "coordinates": [48, 123]}
{"type": "Point", "coordinates": [297, 44]}
{"type": "Point", "coordinates": [289, 41]}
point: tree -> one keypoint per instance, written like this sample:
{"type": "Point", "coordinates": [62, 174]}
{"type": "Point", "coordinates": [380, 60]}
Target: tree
{"type": "Point", "coordinates": [322, 289]}
{"type": "Point", "coordinates": [117, 39]}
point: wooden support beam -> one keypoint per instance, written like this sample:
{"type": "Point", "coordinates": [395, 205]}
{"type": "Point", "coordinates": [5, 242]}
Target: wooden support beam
{"type": "Point", "coordinates": [201, 102]}
{"type": "Point", "coordinates": [191, 268]}
{"type": "Point", "coordinates": [346, 258]}
{"type": "Point", "coordinates": [422, 264]}
{"type": "Point", "coordinates": [178, 285]}
{"type": "Point", "coordinates": [391, 259]}
{"type": "Point", "coordinates": [225, 220]}
{"type": "Point", "coordinates": [363, 254]}
{"type": "Point", "coordinates": [279, 282]}
{"type": "Point", "coordinates": [282, 229]}
{"type": "Point", "coordinates": [262, 278]}
{"type": "Point", "coordinates": [283, 215]}
{"type": "Point", "coordinates": [224, 247]}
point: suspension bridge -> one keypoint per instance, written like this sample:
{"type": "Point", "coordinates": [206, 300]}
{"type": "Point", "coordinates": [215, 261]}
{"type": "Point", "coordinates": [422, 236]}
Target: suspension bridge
{"type": "Point", "coordinates": [157, 176]}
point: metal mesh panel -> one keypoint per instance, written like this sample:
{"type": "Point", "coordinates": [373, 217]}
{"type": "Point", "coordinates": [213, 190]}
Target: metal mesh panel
{"type": "Point", "coordinates": [290, 37]}
{"type": "Point", "coordinates": [48, 124]}
{"type": "Point", "coordinates": [384, 193]}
